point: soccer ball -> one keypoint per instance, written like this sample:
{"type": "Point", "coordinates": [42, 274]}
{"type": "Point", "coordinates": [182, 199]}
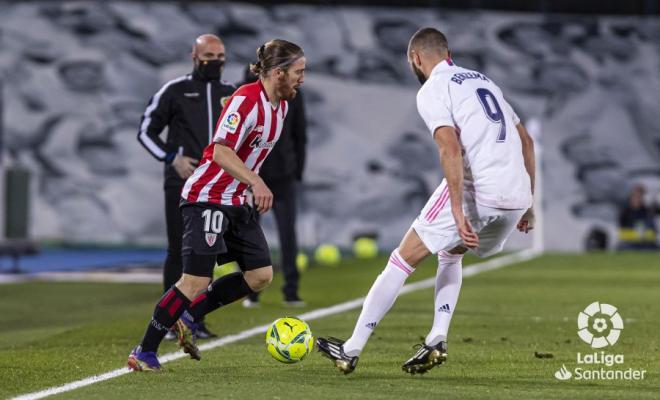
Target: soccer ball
{"type": "Point", "coordinates": [289, 340]}
{"type": "Point", "coordinates": [327, 254]}
{"type": "Point", "coordinates": [302, 261]}
{"type": "Point", "coordinates": [365, 248]}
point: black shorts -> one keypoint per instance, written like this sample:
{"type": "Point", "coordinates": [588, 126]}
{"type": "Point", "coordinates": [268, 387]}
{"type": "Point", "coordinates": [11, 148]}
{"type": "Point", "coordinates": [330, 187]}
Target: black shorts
{"type": "Point", "coordinates": [218, 233]}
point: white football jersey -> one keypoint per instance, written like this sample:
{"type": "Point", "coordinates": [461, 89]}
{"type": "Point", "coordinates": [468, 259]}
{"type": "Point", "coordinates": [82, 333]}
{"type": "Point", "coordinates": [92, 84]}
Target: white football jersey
{"type": "Point", "coordinates": [493, 161]}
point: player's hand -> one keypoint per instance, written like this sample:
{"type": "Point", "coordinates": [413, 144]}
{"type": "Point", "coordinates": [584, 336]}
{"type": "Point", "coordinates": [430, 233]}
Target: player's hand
{"type": "Point", "coordinates": [465, 231]}
{"type": "Point", "coordinates": [527, 221]}
{"type": "Point", "coordinates": [184, 166]}
{"type": "Point", "coordinates": [263, 197]}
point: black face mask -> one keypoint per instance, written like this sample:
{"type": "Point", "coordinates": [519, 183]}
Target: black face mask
{"type": "Point", "coordinates": [210, 70]}
{"type": "Point", "coordinates": [420, 76]}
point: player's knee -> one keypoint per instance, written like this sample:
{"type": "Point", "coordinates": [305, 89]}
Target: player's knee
{"type": "Point", "coordinates": [400, 262]}
{"type": "Point", "coordinates": [191, 286]}
{"type": "Point", "coordinates": [410, 258]}
{"type": "Point", "coordinates": [412, 249]}
{"type": "Point", "coordinates": [259, 279]}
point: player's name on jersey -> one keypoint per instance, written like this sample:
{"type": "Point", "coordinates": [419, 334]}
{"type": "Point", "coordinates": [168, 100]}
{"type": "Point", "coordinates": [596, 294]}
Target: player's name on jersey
{"type": "Point", "coordinates": [462, 76]}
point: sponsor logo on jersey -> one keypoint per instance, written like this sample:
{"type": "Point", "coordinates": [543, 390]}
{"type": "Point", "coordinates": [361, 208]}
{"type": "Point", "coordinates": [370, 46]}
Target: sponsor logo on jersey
{"type": "Point", "coordinates": [231, 122]}
{"type": "Point", "coordinates": [195, 94]}
{"type": "Point", "coordinates": [259, 128]}
{"type": "Point", "coordinates": [257, 142]}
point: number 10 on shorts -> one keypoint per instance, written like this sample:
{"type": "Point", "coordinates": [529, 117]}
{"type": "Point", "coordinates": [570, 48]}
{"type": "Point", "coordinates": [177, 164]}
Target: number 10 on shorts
{"type": "Point", "coordinates": [212, 221]}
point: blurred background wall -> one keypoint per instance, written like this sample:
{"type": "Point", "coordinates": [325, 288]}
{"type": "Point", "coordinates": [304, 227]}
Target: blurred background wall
{"type": "Point", "coordinates": [76, 77]}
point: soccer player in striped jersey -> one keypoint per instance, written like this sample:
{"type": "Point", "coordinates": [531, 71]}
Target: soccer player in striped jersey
{"type": "Point", "coordinates": [187, 107]}
{"type": "Point", "coordinates": [220, 223]}
{"type": "Point", "coordinates": [488, 162]}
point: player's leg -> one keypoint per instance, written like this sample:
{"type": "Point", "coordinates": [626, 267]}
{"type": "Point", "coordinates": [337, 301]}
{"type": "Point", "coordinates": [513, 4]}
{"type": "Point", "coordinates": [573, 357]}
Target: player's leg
{"type": "Point", "coordinates": [417, 244]}
{"type": "Point", "coordinates": [252, 299]}
{"type": "Point", "coordinates": [436, 227]}
{"type": "Point", "coordinates": [378, 302]}
{"type": "Point", "coordinates": [493, 227]}
{"type": "Point", "coordinates": [433, 351]}
{"type": "Point", "coordinates": [221, 292]}
{"type": "Point", "coordinates": [174, 262]}
{"type": "Point", "coordinates": [200, 249]}
{"type": "Point", "coordinates": [284, 208]}
{"type": "Point", "coordinates": [168, 310]}
{"type": "Point", "coordinates": [203, 240]}
{"type": "Point", "coordinates": [248, 247]}
{"type": "Point", "coordinates": [173, 266]}
{"type": "Point", "coordinates": [385, 290]}
{"type": "Point", "coordinates": [166, 313]}
{"type": "Point", "coordinates": [449, 276]}
{"type": "Point", "coordinates": [198, 273]}
{"type": "Point", "coordinates": [232, 287]}
{"type": "Point", "coordinates": [447, 288]}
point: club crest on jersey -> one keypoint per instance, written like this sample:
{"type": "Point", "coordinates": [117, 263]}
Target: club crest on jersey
{"type": "Point", "coordinates": [230, 124]}
{"type": "Point", "coordinates": [211, 238]}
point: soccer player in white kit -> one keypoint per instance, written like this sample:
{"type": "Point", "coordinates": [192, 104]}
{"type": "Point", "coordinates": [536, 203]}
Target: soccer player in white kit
{"type": "Point", "coordinates": [488, 161]}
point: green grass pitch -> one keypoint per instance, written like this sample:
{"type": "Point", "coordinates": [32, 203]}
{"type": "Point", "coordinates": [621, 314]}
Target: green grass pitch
{"type": "Point", "coordinates": [55, 333]}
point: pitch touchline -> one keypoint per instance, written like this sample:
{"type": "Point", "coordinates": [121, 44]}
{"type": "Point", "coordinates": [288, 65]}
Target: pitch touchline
{"type": "Point", "coordinates": [308, 316]}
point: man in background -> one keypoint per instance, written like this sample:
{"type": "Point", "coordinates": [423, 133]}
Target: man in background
{"type": "Point", "coordinates": [282, 171]}
{"type": "Point", "coordinates": [637, 230]}
{"type": "Point", "coordinates": [189, 106]}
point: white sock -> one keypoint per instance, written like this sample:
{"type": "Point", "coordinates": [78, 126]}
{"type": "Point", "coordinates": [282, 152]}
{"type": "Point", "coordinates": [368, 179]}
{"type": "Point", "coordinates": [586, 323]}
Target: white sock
{"type": "Point", "coordinates": [380, 299]}
{"type": "Point", "coordinates": [447, 288]}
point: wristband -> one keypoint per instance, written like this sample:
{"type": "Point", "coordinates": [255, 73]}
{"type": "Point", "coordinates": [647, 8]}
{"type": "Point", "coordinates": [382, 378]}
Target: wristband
{"type": "Point", "coordinates": [170, 157]}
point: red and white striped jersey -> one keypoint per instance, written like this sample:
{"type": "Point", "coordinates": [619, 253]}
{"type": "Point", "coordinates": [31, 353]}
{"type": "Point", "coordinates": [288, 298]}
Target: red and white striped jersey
{"type": "Point", "coordinates": [251, 126]}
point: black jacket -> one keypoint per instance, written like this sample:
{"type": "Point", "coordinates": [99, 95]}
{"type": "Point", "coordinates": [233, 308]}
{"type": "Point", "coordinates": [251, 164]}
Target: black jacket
{"type": "Point", "coordinates": [287, 159]}
{"type": "Point", "coordinates": [190, 106]}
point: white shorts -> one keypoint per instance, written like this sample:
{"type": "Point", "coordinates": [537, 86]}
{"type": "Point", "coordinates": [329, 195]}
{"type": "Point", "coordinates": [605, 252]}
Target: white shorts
{"type": "Point", "coordinates": [436, 227]}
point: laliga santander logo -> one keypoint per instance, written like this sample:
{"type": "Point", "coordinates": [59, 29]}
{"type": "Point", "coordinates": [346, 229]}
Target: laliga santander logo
{"type": "Point", "coordinates": [599, 325]}
{"type": "Point", "coordinates": [232, 119]}
{"type": "Point", "coordinates": [563, 373]}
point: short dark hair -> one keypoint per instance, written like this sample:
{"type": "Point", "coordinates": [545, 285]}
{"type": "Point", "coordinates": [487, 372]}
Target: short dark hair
{"type": "Point", "coordinates": [277, 53]}
{"type": "Point", "coordinates": [429, 39]}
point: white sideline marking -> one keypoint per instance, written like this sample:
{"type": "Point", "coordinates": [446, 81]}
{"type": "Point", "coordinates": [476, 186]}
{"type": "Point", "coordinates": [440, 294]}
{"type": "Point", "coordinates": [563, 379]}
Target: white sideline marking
{"type": "Point", "coordinates": [104, 277]}
{"type": "Point", "coordinates": [308, 316]}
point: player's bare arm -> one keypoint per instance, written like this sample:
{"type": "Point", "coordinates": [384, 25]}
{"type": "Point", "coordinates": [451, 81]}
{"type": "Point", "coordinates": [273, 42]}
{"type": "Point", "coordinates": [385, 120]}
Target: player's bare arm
{"type": "Point", "coordinates": [452, 165]}
{"type": "Point", "coordinates": [526, 222]}
{"type": "Point", "coordinates": [226, 157]}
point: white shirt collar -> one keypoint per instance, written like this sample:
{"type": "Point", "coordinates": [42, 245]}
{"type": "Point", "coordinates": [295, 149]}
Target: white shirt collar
{"type": "Point", "coordinates": [444, 64]}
